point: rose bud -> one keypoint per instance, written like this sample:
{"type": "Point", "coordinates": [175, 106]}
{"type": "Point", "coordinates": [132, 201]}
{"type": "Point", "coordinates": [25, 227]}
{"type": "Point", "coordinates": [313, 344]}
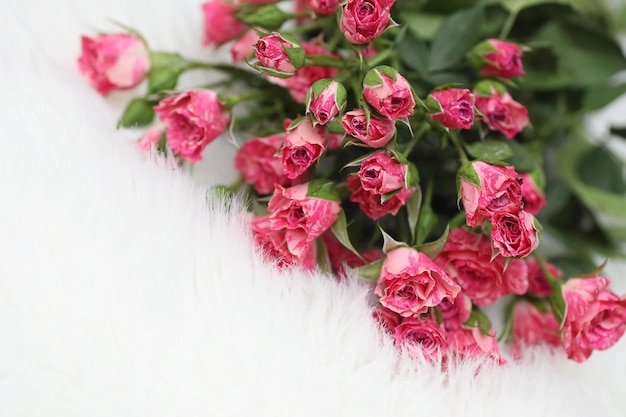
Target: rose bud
{"type": "Point", "coordinates": [499, 59]}
{"type": "Point", "coordinates": [488, 189]}
{"type": "Point", "coordinates": [193, 119]}
{"type": "Point", "coordinates": [113, 62]}
{"type": "Point", "coordinates": [326, 98]}
{"type": "Point", "coordinates": [421, 337]}
{"type": "Point", "coordinates": [474, 344]}
{"type": "Point", "coordinates": [533, 198]}
{"type": "Point", "coordinates": [515, 234]}
{"type": "Point", "coordinates": [220, 23]}
{"type": "Point", "coordinates": [150, 139]}
{"type": "Point", "coordinates": [302, 147]}
{"type": "Point", "coordinates": [376, 134]}
{"type": "Point", "coordinates": [533, 327]}
{"type": "Point", "coordinates": [388, 92]}
{"type": "Point", "coordinates": [386, 318]}
{"type": "Point", "coordinates": [244, 47]}
{"type": "Point", "coordinates": [323, 7]}
{"type": "Point", "coordinates": [372, 204]}
{"type": "Point", "coordinates": [457, 108]}
{"type": "Point", "coordinates": [595, 319]}
{"type": "Point", "coordinates": [503, 114]}
{"type": "Point", "coordinates": [278, 55]}
{"type": "Point", "coordinates": [362, 21]}
{"type": "Point", "coordinates": [410, 282]}
{"type": "Point", "coordinates": [455, 312]}
{"type": "Point", "coordinates": [259, 164]}
{"type": "Point", "coordinates": [537, 282]}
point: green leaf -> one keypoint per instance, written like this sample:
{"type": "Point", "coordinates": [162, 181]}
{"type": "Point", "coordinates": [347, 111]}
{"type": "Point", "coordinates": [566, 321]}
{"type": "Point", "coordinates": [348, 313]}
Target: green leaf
{"type": "Point", "coordinates": [480, 320]}
{"type": "Point", "coordinates": [558, 304]}
{"type": "Point", "coordinates": [162, 79]}
{"type": "Point", "coordinates": [340, 230]}
{"type": "Point", "coordinates": [166, 59]}
{"type": "Point", "coordinates": [422, 24]}
{"type": "Point", "coordinates": [413, 206]}
{"type": "Point", "coordinates": [602, 95]}
{"type": "Point", "coordinates": [323, 259]}
{"type": "Point", "coordinates": [413, 52]}
{"type": "Point", "coordinates": [490, 150]}
{"type": "Point", "coordinates": [371, 271]}
{"type": "Point", "coordinates": [432, 249]}
{"type": "Point", "coordinates": [138, 112]}
{"type": "Point", "coordinates": [600, 169]}
{"type": "Point", "coordinates": [427, 222]}
{"type": "Point", "coordinates": [522, 159]}
{"type": "Point", "coordinates": [269, 17]}
{"type": "Point", "coordinates": [323, 190]}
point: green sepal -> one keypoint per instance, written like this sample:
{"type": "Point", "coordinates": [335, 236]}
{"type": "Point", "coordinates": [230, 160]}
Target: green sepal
{"type": "Point", "coordinates": [372, 79]}
{"type": "Point", "coordinates": [413, 208]}
{"type": "Point", "coordinates": [432, 249]}
{"type": "Point", "coordinates": [296, 55]}
{"type": "Point", "coordinates": [468, 173]}
{"type": "Point", "coordinates": [162, 79]}
{"type": "Point", "coordinates": [596, 271]}
{"type": "Point", "coordinates": [371, 271]}
{"type": "Point", "coordinates": [357, 162]}
{"type": "Point", "coordinates": [557, 303]}
{"type": "Point", "coordinates": [480, 320]}
{"type": "Point", "coordinates": [295, 123]}
{"type": "Point", "coordinates": [476, 56]}
{"type": "Point", "coordinates": [432, 105]}
{"type": "Point", "coordinates": [488, 88]}
{"type": "Point", "coordinates": [323, 190]}
{"type": "Point", "coordinates": [271, 72]}
{"type": "Point", "coordinates": [138, 112]}
{"type": "Point", "coordinates": [161, 146]}
{"type": "Point", "coordinates": [166, 59]}
{"type": "Point", "coordinates": [412, 176]}
{"type": "Point", "coordinates": [323, 260]}
{"type": "Point", "coordinates": [340, 230]}
{"type": "Point", "coordinates": [269, 17]}
{"type": "Point", "coordinates": [507, 330]}
{"type": "Point", "coordinates": [390, 243]}
{"type": "Point", "coordinates": [491, 151]}
{"type": "Point", "coordinates": [426, 223]}
{"type": "Point", "coordinates": [390, 72]}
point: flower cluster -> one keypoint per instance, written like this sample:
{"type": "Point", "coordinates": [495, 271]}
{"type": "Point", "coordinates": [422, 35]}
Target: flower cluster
{"type": "Point", "coordinates": [372, 149]}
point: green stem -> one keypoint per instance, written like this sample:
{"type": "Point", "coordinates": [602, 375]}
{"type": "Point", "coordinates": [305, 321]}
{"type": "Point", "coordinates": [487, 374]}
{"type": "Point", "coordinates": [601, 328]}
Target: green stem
{"type": "Point", "coordinates": [326, 61]}
{"type": "Point", "coordinates": [378, 58]}
{"type": "Point", "coordinates": [459, 147]}
{"type": "Point", "coordinates": [542, 265]}
{"type": "Point", "coordinates": [231, 102]}
{"type": "Point", "coordinates": [235, 185]}
{"type": "Point", "coordinates": [428, 195]}
{"type": "Point", "coordinates": [508, 24]}
{"type": "Point", "coordinates": [409, 147]}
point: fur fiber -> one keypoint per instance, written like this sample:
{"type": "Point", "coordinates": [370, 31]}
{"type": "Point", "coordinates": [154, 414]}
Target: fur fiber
{"type": "Point", "coordinates": [126, 291]}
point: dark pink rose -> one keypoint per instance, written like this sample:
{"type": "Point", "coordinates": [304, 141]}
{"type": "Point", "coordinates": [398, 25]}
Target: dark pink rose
{"type": "Point", "coordinates": [503, 114]}
{"type": "Point", "coordinates": [533, 327]}
{"type": "Point", "coordinates": [113, 62]}
{"type": "Point", "coordinates": [323, 7]}
{"type": "Point", "coordinates": [473, 344]}
{"type": "Point", "coordinates": [514, 234]}
{"type": "Point", "coordinates": [244, 47]}
{"type": "Point", "coordinates": [372, 204]}
{"type": "Point", "coordinates": [326, 99]}
{"type": "Point", "coordinates": [467, 259]}
{"type": "Point", "coordinates": [376, 134]}
{"type": "Point", "coordinates": [537, 282]}
{"type": "Point", "coordinates": [304, 218]}
{"type": "Point", "coordinates": [381, 173]}
{"type": "Point", "coordinates": [341, 257]}
{"type": "Point", "coordinates": [533, 198]}
{"type": "Point", "coordinates": [455, 312]}
{"type": "Point", "coordinates": [457, 108]}
{"type": "Point", "coordinates": [505, 62]}
{"type": "Point", "coordinates": [410, 282]}
{"type": "Point", "coordinates": [220, 23]}
{"type": "Point", "coordinates": [259, 164]}
{"type": "Point", "coordinates": [499, 191]}
{"type": "Point", "coordinates": [421, 337]}
{"type": "Point", "coordinates": [390, 96]}
{"type": "Point", "coordinates": [193, 119]}
{"type": "Point", "coordinates": [302, 147]}
{"type": "Point", "coordinates": [362, 21]}
{"type": "Point", "coordinates": [596, 317]}
{"type": "Point", "coordinates": [270, 51]}
{"type": "Point", "coordinates": [386, 318]}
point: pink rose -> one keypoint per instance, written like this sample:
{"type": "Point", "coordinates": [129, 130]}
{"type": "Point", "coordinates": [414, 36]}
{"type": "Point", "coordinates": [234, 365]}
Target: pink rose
{"type": "Point", "coordinates": [532, 197]}
{"type": "Point", "coordinates": [421, 337]}
{"type": "Point", "coordinates": [381, 173]}
{"type": "Point", "coordinates": [505, 62]}
{"type": "Point", "coordinates": [499, 191]}
{"type": "Point", "coordinates": [596, 317]}
{"type": "Point", "coordinates": [537, 282]}
{"type": "Point", "coordinates": [503, 114]}
{"type": "Point", "coordinates": [533, 327]}
{"type": "Point", "coordinates": [113, 62]}
{"type": "Point", "coordinates": [473, 344]}
{"type": "Point", "coordinates": [304, 218]}
{"type": "Point", "coordinates": [362, 21]}
{"type": "Point", "coordinates": [340, 256]}
{"type": "Point", "coordinates": [376, 134]}
{"type": "Point", "coordinates": [220, 23]}
{"type": "Point", "coordinates": [270, 51]}
{"type": "Point", "coordinates": [392, 97]}
{"type": "Point", "coordinates": [386, 318]}
{"type": "Point", "coordinates": [193, 119]}
{"type": "Point", "coordinates": [323, 7]}
{"type": "Point", "coordinates": [467, 259]}
{"type": "Point", "coordinates": [272, 243]}
{"type": "Point", "coordinates": [244, 47]}
{"type": "Point", "coordinates": [302, 147]}
{"type": "Point", "coordinates": [326, 99]}
{"type": "Point", "coordinates": [259, 165]}
{"type": "Point", "coordinates": [514, 234]}
{"type": "Point", "coordinates": [410, 282]}
{"type": "Point", "coordinates": [457, 108]}
{"type": "Point", "coordinates": [372, 204]}
{"type": "Point", "coordinates": [150, 139]}
{"type": "Point", "coordinates": [455, 312]}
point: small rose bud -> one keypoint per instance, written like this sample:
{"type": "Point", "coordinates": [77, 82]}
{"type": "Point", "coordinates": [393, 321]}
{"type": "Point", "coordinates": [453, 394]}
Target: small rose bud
{"type": "Point", "coordinates": [302, 147]}
{"type": "Point", "coordinates": [515, 234]}
{"type": "Point", "coordinates": [375, 132]}
{"type": "Point", "coordinates": [323, 7]}
{"type": "Point", "coordinates": [457, 108]}
{"type": "Point", "coordinates": [388, 92]}
{"type": "Point", "coordinates": [362, 21]}
{"type": "Point", "coordinates": [503, 114]}
{"type": "Point", "coordinates": [326, 98]}
{"type": "Point", "coordinates": [497, 58]}
{"type": "Point", "coordinates": [279, 55]}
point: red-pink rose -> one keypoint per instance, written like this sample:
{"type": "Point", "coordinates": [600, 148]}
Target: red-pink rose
{"type": "Point", "coordinates": [244, 47]}
{"type": "Point", "coordinates": [474, 344]}
{"type": "Point", "coordinates": [390, 96]}
{"type": "Point", "coordinates": [514, 234]}
{"type": "Point", "coordinates": [455, 312]}
{"type": "Point", "coordinates": [326, 104]}
{"type": "Point", "coordinates": [362, 21]}
{"type": "Point", "coordinates": [270, 51]}
{"type": "Point", "coordinates": [193, 119]}
{"type": "Point", "coordinates": [533, 198]}
{"type": "Point", "coordinates": [499, 191]}
{"type": "Point", "coordinates": [505, 62]}
{"type": "Point", "coordinates": [302, 147]}
{"type": "Point", "coordinates": [372, 204]}
{"type": "Point", "coordinates": [503, 114]}
{"type": "Point", "coordinates": [387, 319]}
{"type": "Point", "coordinates": [323, 7]}
{"type": "Point", "coordinates": [595, 319]}
{"type": "Point", "coordinates": [467, 259]}
{"type": "Point", "coordinates": [533, 327]}
{"type": "Point", "coordinates": [113, 62]}
{"type": "Point", "coordinates": [457, 108]}
{"type": "Point", "coordinates": [220, 23]}
{"type": "Point", "coordinates": [410, 282]}
{"type": "Point", "coordinates": [376, 134]}
{"type": "Point", "coordinates": [421, 337]}
{"type": "Point", "coordinates": [274, 246]}
{"type": "Point", "coordinates": [537, 281]}
{"type": "Point", "coordinates": [259, 165]}
{"type": "Point", "coordinates": [381, 173]}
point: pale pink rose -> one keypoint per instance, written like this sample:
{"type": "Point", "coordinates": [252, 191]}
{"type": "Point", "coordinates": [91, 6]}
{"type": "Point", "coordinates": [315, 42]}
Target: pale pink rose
{"type": "Point", "coordinates": [420, 337]}
{"type": "Point", "coordinates": [455, 312]}
{"type": "Point", "coordinates": [259, 165]}
{"type": "Point", "coordinates": [514, 234]}
{"type": "Point", "coordinates": [500, 191]}
{"type": "Point", "coordinates": [474, 344]}
{"type": "Point", "coordinates": [393, 98]}
{"type": "Point", "coordinates": [596, 317]}
{"type": "Point", "coordinates": [272, 243]}
{"type": "Point", "coordinates": [193, 119]}
{"type": "Point", "coordinates": [376, 134]}
{"type": "Point", "coordinates": [386, 318]}
{"type": "Point", "coordinates": [244, 47]}
{"type": "Point", "coordinates": [372, 204]}
{"type": "Point", "coordinates": [323, 7]}
{"type": "Point", "coordinates": [270, 51]}
{"type": "Point", "coordinates": [503, 114]}
{"type": "Point", "coordinates": [150, 139]}
{"type": "Point", "coordinates": [533, 198]}
{"type": "Point", "coordinates": [302, 147]}
{"type": "Point", "coordinates": [362, 21]}
{"type": "Point", "coordinates": [505, 62]}
{"type": "Point", "coordinates": [537, 282]}
{"type": "Point", "coordinates": [341, 257]}
{"type": "Point", "coordinates": [467, 259]}
{"type": "Point", "coordinates": [533, 327]}
{"type": "Point", "coordinates": [410, 282]}
{"type": "Point", "coordinates": [457, 108]}
{"type": "Point", "coordinates": [113, 62]}
{"type": "Point", "coordinates": [304, 218]}
{"type": "Point", "coordinates": [326, 105]}
{"type": "Point", "coordinates": [220, 23]}
{"type": "Point", "coordinates": [381, 173]}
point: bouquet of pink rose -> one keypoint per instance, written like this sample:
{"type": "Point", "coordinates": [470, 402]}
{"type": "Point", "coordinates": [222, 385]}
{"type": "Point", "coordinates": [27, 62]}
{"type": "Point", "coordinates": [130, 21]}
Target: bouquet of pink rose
{"type": "Point", "coordinates": [404, 153]}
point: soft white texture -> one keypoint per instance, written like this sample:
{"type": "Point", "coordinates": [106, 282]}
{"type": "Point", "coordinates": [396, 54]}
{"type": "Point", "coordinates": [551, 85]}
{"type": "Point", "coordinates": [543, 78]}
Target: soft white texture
{"type": "Point", "coordinates": [124, 293]}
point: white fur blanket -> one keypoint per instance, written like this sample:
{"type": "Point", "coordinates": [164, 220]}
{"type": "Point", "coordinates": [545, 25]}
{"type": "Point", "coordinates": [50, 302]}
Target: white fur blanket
{"type": "Point", "coordinates": [123, 293]}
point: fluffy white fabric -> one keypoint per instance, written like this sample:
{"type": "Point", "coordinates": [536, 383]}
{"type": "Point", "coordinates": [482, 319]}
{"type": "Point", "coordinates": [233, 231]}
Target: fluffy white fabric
{"type": "Point", "coordinates": [123, 292]}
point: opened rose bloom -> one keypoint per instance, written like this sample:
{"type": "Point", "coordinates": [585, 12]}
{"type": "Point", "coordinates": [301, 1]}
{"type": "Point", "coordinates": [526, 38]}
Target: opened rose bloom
{"type": "Point", "coordinates": [326, 99]}
{"type": "Point", "coordinates": [220, 23]}
{"type": "Point", "coordinates": [502, 114]}
{"type": "Point", "coordinates": [362, 21]}
{"type": "Point", "coordinates": [532, 327]}
{"type": "Point", "coordinates": [457, 108]}
{"type": "Point", "coordinates": [274, 246]}
{"type": "Point", "coordinates": [270, 51]}
{"type": "Point", "coordinates": [533, 198]}
{"type": "Point", "coordinates": [259, 164]}
{"type": "Point", "coordinates": [537, 281]}
{"type": "Point", "coordinates": [244, 47]}
{"type": "Point", "coordinates": [113, 61]}
{"type": "Point", "coordinates": [595, 319]}
{"type": "Point", "coordinates": [499, 191]}
{"type": "Point", "coordinates": [376, 134]}
{"type": "Point", "coordinates": [505, 61]}
{"type": "Point", "coordinates": [455, 311]}
{"type": "Point", "coordinates": [410, 282]}
{"type": "Point", "coordinates": [515, 234]}
{"type": "Point", "coordinates": [388, 92]}
{"type": "Point", "coordinates": [323, 7]}
{"type": "Point", "coordinates": [193, 119]}
{"type": "Point", "coordinates": [302, 147]}
{"type": "Point", "coordinates": [421, 338]}
{"type": "Point", "coordinates": [467, 259]}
